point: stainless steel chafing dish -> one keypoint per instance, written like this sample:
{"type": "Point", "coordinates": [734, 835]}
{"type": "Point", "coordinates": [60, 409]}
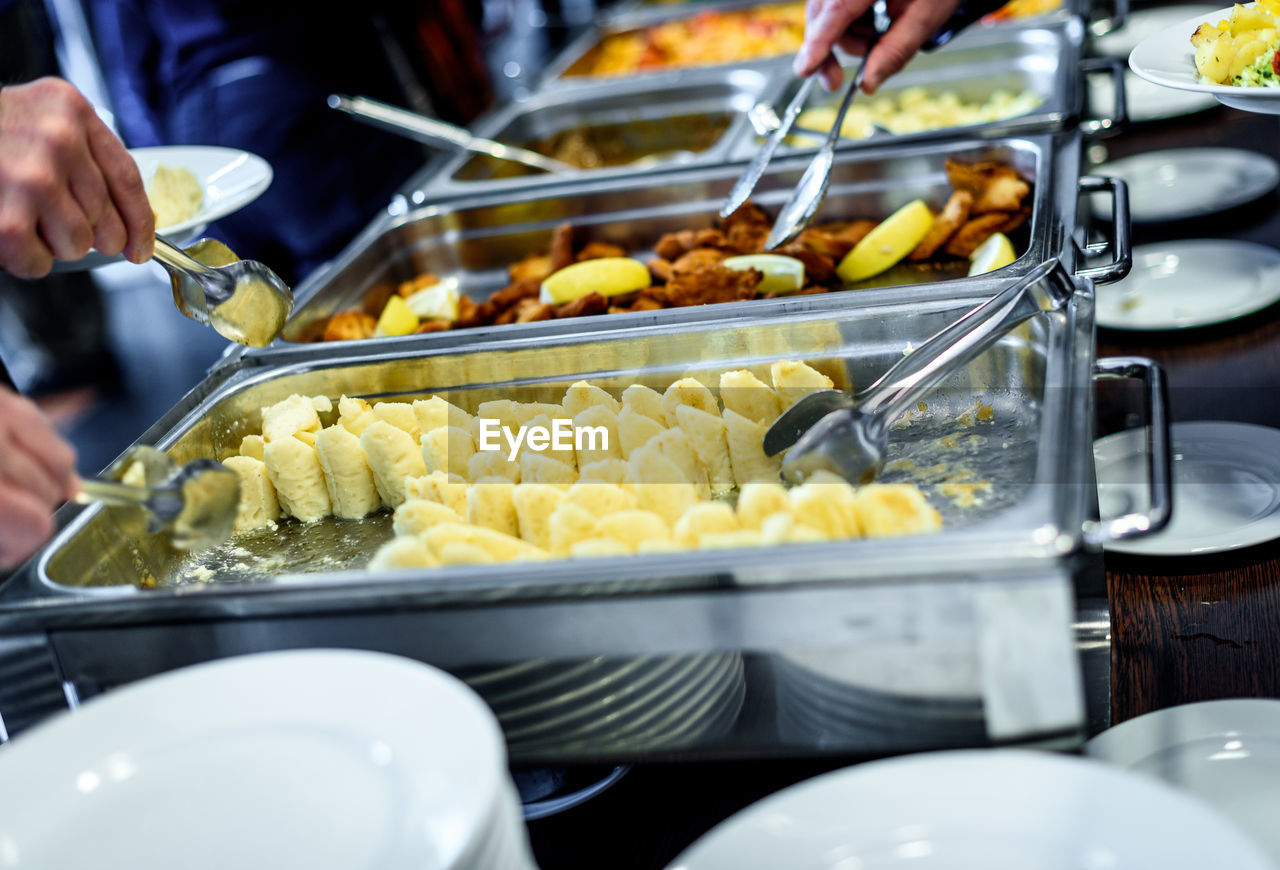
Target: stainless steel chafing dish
{"type": "Point", "coordinates": [715, 653]}
{"type": "Point", "coordinates": [695, 118]}
{"type": "Point", "coordinates": [474, 241]}
{"type": "Point", "coordinates": [1043, 60]}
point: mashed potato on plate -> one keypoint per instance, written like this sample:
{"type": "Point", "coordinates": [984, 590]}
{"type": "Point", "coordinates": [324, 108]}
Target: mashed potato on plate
{"type": "Point", "coordinates": [176, 195]}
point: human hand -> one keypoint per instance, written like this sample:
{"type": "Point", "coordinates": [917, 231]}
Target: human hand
{"type": "Point", "coordinates": [37, 473]}
{"type": "Point", "coordinates": [67, 184]}
{"type": "Point", "coordinates": [827, 24]}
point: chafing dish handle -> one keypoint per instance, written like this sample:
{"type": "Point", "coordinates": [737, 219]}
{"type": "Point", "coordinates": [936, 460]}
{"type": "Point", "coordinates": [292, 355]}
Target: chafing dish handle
{"type": "Point", "coordinates": [1121, 242]}
{"type": "Point", "coordinates": [1159, 454]}
{"type": "Point", "coordinates": [1119, 15]}
{"type": "Point", "coordinates": [1120, 112]}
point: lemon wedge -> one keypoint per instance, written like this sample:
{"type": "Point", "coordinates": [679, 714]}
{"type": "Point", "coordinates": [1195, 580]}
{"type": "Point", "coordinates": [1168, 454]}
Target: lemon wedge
{"type": "Point", "coordinates": [437, 302]}
{"type": "Point", "coordinates": [608, 276]}
{"type": "Point", "coordinates": [781, 274]}
{"type": "Point", "coordinates": [995, 253]}
{"type": "Point", "coordinates": [891, 240]}
{"type": "Point", "coordinates": [397, 318]}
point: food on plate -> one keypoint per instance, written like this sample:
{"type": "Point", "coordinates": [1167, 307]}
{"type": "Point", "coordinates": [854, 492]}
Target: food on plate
{"type": "Point", "coordinates": [1240, 49]}
{"type": "Point", "coordinates": [674, 491]}
{"type": "Point", "coordinates": [721, 263]}
{"type": "Point", "coordinates": [914, 110]}
{"type": "Point", "coordinates": [710, 37]}
{"type": "Point", "coordinates": [176, 195]}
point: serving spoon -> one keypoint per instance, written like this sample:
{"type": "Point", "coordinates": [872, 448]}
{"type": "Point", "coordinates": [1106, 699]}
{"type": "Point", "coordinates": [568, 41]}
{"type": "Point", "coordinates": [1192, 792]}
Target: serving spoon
{"type": "Point", "coordinates": [242, 299]}
{"type": "Point", "coordinates": [195, 505]}
{"type": "Point", "coordinates": [848, 435]}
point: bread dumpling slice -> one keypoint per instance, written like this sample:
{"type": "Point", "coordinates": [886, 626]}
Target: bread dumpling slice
{"type": "Point", "coordinates": [746, 451]}
{"type": "Point", "coordinates": [296, 474]}
{"type": "Point", "coordinates": [392, 456]}
{"type": "Point", "coordinates": [347, 475]}
{"type": "Point", "coordinates": [745, 394]}
{"type": "Point", "coordinates": [794, 380]}
{"type": "Point", "coordinates": [690, 392]}
{"type": "Point", "coordinates": [258, 505]}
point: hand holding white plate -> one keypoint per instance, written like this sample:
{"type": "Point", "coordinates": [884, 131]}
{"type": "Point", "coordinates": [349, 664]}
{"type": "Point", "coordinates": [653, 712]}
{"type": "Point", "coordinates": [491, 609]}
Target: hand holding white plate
{"type": "Point", "coordinates": [230, 179]}
{"type": "Point", "coordinates": [1167, 58]}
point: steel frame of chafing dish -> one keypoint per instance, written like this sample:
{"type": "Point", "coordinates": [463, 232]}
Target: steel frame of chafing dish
{"type": "Point", "coordinates": [476, 238]}
{"type": "Point", "coordinates": [91, 637]}
{"type": "Point", "coordinates": [635, 16]}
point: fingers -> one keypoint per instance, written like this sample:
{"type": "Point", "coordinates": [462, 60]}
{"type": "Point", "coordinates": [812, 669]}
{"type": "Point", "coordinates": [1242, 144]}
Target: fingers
{"type": "Point", "coordinates": [127, 192]}
{"type": "Point", "coordinates": [825, 22]}
{"type": "Point", "coordinates": [64, 226]}
{"type": "Point", "coordinates": [831, 73]}
{"type": "Point", "coordinates": [22, 252]}
{"type": "Point", "coordinates": [911, 28]}
{"type": "Point", "coordinates": [33, 456]}
{"type": "Point", "coordinates": [26, 525]}
{"type": "Point", "coordinates": [90, 191]}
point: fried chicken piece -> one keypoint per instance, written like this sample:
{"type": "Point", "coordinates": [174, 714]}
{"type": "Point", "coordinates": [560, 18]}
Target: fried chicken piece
{"type": "Point", "coordinates": [712, 284]}
{"type": "Point", "coordinates": [480, 315]}
{"type": "Point", "coordinates": [697, 260]}
{"type": "Point", "coordinates": [584, 306]}
{"type": "Point", "coordinates": [466, 308]}
{"type": "Point", "coordinates": [561, 247]}
{"type": "Point", "coordinates": [817, 268]}
{"type": "Point", "coordinates": [1015, 220]}
{"type": "Point", "coordinates": [529, 310]}
{"type": "Point", "coordinates": [434, 326]}
{"type": "Point", "coordinates": [995, 186]}
{"type": "Point", "coordinates": [646, 303]}
{"type": "Point", "coordinates": [709, 238]}
{"type": "Point", "coordinates": [953, 217]}
{"type": "Point", "coordinates": [513, 293]}
{"type": "Point", "coordinates": [848, 232]}
{"type": "Point", "coordinates": [747, 213]}
{"type": "Point", "coordinates": [600, 250]}
{"type": "Point", "coordinates": [674, 245]}
{"type": "Point", "coordinates": [533, 268]}
{"type": "Point", "coordinates": [824, 243]}
{"type": "Point", "coordinates": [376, 299]}
{"type": "Point", "coordinates": [660, 270]}
{"type": "Point", "coordinates": [974, 233]}
{"type": "Point", "coordinates": [349, 325]}
{"type": "Point", "coordinates": [413, 285]}
{"type": "Point", "coordinates": [747, 229]}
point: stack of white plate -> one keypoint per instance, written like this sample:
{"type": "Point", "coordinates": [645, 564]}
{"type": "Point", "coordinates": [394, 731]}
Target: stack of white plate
{"type": "Point", "coordinates": [603, 705]}
{"type": "Point", "coordinates": [318, 759]}
{"type": "Point", "coordinates": [976, 810]}
{"type": "Point", "coordinates": [884, 697]}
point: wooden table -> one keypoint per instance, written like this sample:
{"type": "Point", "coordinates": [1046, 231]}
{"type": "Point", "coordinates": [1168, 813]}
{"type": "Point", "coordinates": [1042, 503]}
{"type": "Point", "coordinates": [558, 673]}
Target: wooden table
{"type": "Point", "coordinates": [1184, 629]}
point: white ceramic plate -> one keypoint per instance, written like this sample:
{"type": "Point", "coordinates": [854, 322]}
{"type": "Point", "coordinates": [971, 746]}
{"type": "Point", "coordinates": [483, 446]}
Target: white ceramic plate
{"type": "Point", "coordinates": [1146, 101]}
{"type": "Point", "coordinates": [319, 759]}
{"type": "Point", "coordinates": [976, 810]}
{"type": "Point", "coordinates": [1184, 284]}
{"type": "Point", "coordinates": [231, 180]}
{"type": "Point", "coordinates": [1226, 489]}
{"type": "Point", "coordinates": [1166, 58]}
{"type": "Point", "coordinates": [1182, 183]}
{"type": "Point", "coordinates": [1226, 752]}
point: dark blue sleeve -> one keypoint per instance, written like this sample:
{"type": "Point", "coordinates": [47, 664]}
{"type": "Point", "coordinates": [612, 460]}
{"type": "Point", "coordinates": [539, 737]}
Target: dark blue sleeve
{"type": "Point", "coordinates": [127, 50]}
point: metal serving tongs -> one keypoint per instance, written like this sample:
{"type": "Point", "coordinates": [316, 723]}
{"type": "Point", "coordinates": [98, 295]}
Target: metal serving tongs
{"type": "Point", "coordinates": [432, 132]}
{"type": "Point", "coordinates": [195, 505]}
{"type": "Point", "coordinates": [242, 299]}
{"type": "Point", "coordinates": [808, 195]}
{"type": "Point", "coordinates": [848, 435]}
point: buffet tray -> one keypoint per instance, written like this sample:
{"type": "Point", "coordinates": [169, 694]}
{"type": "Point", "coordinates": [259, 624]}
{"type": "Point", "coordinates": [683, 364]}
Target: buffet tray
{"type": "Point", "coordinates": [721, 615]}
{"type": "Point", "coordinates": [672, 111]}
{"type": "Point", "coordinates": [473, 241]}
